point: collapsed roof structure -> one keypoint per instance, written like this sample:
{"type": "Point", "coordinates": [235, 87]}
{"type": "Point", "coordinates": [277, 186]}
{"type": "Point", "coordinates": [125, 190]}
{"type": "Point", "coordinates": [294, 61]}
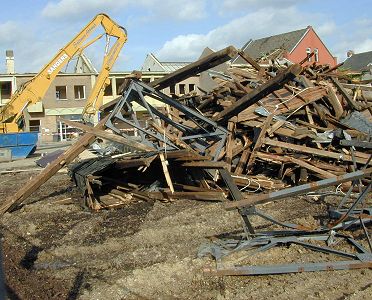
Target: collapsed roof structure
{"type": "Point", "coordinates": [260, 135]}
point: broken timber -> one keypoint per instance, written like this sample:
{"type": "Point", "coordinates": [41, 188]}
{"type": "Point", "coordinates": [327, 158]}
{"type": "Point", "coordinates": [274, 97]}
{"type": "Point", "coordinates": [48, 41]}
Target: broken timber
{"type": "Point", "coordinates": [65, 158]}
{"type": "Point", "coordinates": [108, 135]}
{"type": "Point", "coordinates": [192, 69]}
{"type": "Point", "coordinates": [203, 64]}
{"type": "Point", "coordinates": [298, 190]}
{"type": "Point", "coordinates": [318, 152]}
{"type": "Point", "coordinates": [258, 93]}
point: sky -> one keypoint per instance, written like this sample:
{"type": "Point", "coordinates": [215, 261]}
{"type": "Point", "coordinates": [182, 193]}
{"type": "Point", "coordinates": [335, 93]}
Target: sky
{"type": "Point", "coordinates": [176, 30]}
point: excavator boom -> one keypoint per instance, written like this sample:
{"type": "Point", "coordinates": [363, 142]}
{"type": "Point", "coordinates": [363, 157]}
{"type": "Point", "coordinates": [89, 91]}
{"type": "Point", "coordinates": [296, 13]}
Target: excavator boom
{"type": "Point", "coordinates": [34, 90]}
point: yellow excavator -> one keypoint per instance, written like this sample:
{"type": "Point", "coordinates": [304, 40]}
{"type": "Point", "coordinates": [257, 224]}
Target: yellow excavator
{"type": "Point", "coordinates": [34, 90]}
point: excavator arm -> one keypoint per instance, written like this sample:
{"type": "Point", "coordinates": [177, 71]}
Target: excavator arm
{"type": "Point", "coordinates": [34, 90]}
{"type": "Point", "coordinates": [95, 99]}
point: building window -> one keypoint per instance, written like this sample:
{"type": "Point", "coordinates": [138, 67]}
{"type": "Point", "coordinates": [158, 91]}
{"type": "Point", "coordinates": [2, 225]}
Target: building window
{"type": "Point", "coordinates": [191, 87]}
{"type": "Point", "coordinates": [182, 89]}
{"type": "Point", "coordinates": [6, 90]}
{"type": "Point", "coordinates": [34, 125]}
{"type": "Point", "coordinates": [172, 89]}
{"type": "Point", "coordinates": [316, 54]}
{"type": "Point", "coordinates": [61, 92]}
{"type": "Point", "coordinates": [108, 90]}
{"type": "Point", "coordinates": [79, 91]}
{"type": "Point", "coordinates": [308, 53]}
{"type": "Point", "coordinates": [119, 85]}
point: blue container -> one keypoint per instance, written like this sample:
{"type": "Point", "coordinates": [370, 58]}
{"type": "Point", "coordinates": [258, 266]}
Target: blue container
{"type": "Point", "coordinates": [21, 144]}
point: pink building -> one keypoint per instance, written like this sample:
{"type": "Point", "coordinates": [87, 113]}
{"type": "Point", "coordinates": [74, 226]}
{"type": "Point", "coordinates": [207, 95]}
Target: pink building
{"type": "Point", "coordinates": [295, 44]}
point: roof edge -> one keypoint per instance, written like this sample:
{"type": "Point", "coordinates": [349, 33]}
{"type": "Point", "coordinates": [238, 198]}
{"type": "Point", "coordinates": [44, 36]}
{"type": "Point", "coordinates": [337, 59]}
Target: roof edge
{"type": "Point", "coordinates": [299, 41]}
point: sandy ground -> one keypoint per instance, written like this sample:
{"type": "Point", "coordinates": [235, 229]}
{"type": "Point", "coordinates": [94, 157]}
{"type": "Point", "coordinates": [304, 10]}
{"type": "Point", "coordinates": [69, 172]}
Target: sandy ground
{"type": "Point", "coordinates": [53, 249]}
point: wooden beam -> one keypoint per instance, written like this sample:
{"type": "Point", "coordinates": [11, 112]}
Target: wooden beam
{"type": "Point", "coordinates": [311, 121]}
{"type": "Point", "coordinates": [258, 93]}
{"type": "Point", "coordinates": [108, 135]}
{"type": "Point", "coordinates": [207, 164]}
{"type": "Point", "coordinates": [355, 143]}
{"type": "Point", "coordinates": [335, 102]}
{"type": "Point", "coordinates": [242, 161]}
{"type": "Point", "coordinates": [205, 63]}
{"type": "Point", "coordinates": [65, 158]}
{"type": "Point", "coordinates": [174, 139]}
{"type": "Point", "coordinates": [297, 190]}
{"type": "Point", "coordinates": [164, 164]}
{"type": "Point", "coordinates": [344, 93]}
{"type": "Point", "coordinates": [313, 151]}
{"type": "Point", "coordinates": [250, 60]}
{"type": "Point", "coordinates": [190, 70]}
{"type": "Point", "coordinates": [134, 162]}
{"type": "Point", "coordinates": [230, 141]}
{"type": "Point", "coordinates": [361, 87]}
{"type": "Point", "coordinates": [259, 141]}
{"type": "Point", "coordinates": [273, 157]}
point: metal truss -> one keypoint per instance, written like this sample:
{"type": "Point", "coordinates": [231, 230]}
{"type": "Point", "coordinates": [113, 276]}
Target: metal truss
{"type": "Point", "coordinates": [165, 129]}
{"type": "Point", "coordinates": [349, 214]}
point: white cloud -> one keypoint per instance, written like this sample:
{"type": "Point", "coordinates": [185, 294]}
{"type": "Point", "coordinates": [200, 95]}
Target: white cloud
{"type": "Point", "coordinates": [10, 32]}
{"type": "Point", "coordinates": [326, 29]}
{"type": "Point", "coordinates": [269, 21]}
{"type": "Point", "coordinates": [237, 32]}
{"type": "Point", "coordinates": [364, 46]}
{"type": "Point", "coordinates": [239, 4]}
{"type": "Point", "coordinates": [179, 10]}
{"type": "Point", "coordinates": [358, 39]}
{"type": "Point", "coordinates": [14, 36]}
{"type": "Point", "coordinates": [72, 8]}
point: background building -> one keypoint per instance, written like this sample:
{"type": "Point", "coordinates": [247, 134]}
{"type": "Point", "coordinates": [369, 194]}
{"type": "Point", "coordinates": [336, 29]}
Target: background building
{"type": "Point", "coordinates": [295, 46]}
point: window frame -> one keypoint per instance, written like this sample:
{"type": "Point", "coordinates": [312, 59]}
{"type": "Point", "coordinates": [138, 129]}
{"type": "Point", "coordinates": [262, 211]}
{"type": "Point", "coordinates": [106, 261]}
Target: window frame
{"type": "Point", "coordinates": [172, 89]}
{"type": "Point", "coordinates": [192, 87]}
{"type": "Point", "coordinates": [32, 127]}
{"type": "Point", "coordinates": [5, 93]}
{"type": "Point", "coordinates": [316, 54]}
{"type": "Point", "coordinates": [308, 53]}
{"type": "Point", "coordinates": [83, 98]}
{"type": "Point", "coordinates": [58, 98]}
{"type": "Point", "coordinates": [183, 86]}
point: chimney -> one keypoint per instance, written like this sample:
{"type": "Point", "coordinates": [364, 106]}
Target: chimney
{"type": "Point", "coordinates": [9, 62]}
{"type": "Point", "coordinates": [349, 53]}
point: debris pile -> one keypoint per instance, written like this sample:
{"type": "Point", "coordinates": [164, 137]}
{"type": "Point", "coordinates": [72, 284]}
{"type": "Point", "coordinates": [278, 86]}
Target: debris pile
{"type": "Point", "coordinates": [288, 129]}
{"type": "Point", "coordinates": [259, 129]}
{"type": "Point", "coordinates": [270, 128]}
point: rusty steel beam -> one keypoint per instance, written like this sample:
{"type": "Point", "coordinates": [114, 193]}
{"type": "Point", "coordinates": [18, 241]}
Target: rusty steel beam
{"type": "Point", "coordinates": [297, 190]}
{"type": "Point", "coordinates": [290, 268]}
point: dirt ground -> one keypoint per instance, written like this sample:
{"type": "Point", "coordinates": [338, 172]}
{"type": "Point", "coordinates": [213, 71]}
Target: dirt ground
{"type": "Point", "coordinates": [53, 249]}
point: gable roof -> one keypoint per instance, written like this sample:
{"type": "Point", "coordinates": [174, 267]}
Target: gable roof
{"type": "Point", "coordinates": [359, 61]}
{"type": "Point", "coordinates": [151, 63]}
{"type": "Point", "coordinates": [206, 83]}
{"type": "Point", "coordinates": [84, 65]}
{"type": "Point", "coordinates": [287, 41]}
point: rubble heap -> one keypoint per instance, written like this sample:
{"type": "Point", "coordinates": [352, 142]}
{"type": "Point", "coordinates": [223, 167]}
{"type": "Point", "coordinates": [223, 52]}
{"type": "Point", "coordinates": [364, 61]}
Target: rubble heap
{"type": "Point", "coordinates": [260, 134]}
{"type": "Point", "coordinates": [269, 127]}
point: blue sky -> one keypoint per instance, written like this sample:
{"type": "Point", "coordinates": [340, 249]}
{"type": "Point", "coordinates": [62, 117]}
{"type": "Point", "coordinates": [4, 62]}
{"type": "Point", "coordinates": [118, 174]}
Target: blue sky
{"type": "Point", "coordinates": [176, 30]}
